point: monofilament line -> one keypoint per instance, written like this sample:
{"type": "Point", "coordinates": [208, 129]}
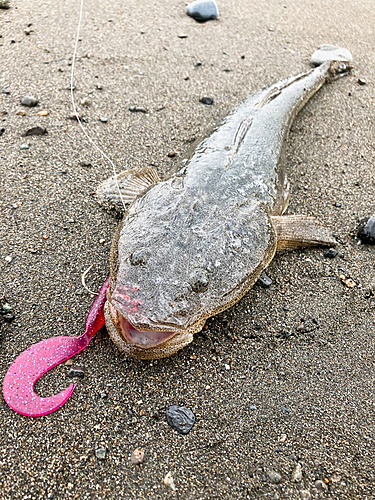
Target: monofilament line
{"type": "Point", "coordinates": [75, 110]}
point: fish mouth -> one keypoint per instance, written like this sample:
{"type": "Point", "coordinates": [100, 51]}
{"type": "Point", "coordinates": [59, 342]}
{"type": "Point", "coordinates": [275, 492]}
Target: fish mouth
{"type": "Point", "coordinates": [145, 339]}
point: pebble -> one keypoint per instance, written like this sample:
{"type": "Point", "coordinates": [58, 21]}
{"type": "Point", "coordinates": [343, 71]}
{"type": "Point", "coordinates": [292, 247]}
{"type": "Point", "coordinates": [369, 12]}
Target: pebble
{"type": "Point", "coordinates": [207, 100]}
{"type": "Point", "coordinates": [264, 280]}
{"type": "Point", "coordinates": [6, 308]}
{"type": "Point", "coordinates": [330, 53]}
{"type": "Point", "coordinates": [331, 253]}
{"type": "Point", "coordinates": [180, 418]}
{"type": "Point", "coordinates": [203, 10]}
{"type": "Point", "coordinates": [137, 456]}
{"type": "Point", "coordinates": [137, 109]}
{"type": "Point", "coordinates": [366, 230]}
{"type": "Point", "coordinates": [283, 438]}
{"type": "Point", "coordinates": [21, 112]}
{"type": "Point", "coordinates": [35, 131]}
{"type": "Point", "coordinates": [5, 91]}
{"type": "Point", "coordinates": [305, 495]}
{"type": "Point", "coordinates": [171, 154]}
{"type": "Point", "coordinates": [320, 485]}
{"type": "Point", "coordinates": [274, 477]}
{"type": "Point", "coordinates": [100, 453]}
{"type": "Point", "coordinates": [168, 481]}
{"type": "Point", "coordinates": [44, 112]}
{"type": "Point", "coordinates": [24, 146]}
{"type": "Point", "coordinates": [2, 130]}
{"type": "Point", "coordinates": [9, 317]}
{"type": "Point", "coordinates": [103, 119]}
{"type": "Point", "coordinates": [73, 116]}
{"type": "Point", "coordinates": [4, 4]}
{"type": "Point", "coordinates": [29, 101]}
{"type": "Point", "coordinates": [296, 475]}
{"type": "Point", "coordinates": [76, 372]}
{"type": "Point", "coordinates": [85, 102]}
{"type": "Point", "coordinates": [8, 259]}
{"type": "Point", "coordinates": [197, 64]}
{"type": "Point", "coordinates": [182, 36]}
{"type": "Point", "coordinates": [27, 32]}
{"type": "Point", "coordinates": [362, 81]}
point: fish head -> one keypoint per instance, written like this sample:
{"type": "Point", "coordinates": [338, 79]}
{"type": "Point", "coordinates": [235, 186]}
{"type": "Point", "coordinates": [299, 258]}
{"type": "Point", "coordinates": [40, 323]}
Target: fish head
{"type": "Point", "coordinates": [173, 269]}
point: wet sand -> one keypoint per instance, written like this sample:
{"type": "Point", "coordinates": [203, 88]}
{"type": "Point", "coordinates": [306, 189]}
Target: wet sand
{"type": "Point", "coordinates": [300, 353]}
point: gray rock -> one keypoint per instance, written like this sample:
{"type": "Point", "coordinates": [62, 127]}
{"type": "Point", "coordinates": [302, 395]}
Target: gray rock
{"type": "Point", "coordinates": [35, 131]}
{"type": "Point", "coordinates": [100, 453]}
{"type": "Point", "coordinates": [330, 53]}
{"type": "Point", "coordinates": [24, 146]}
{"type": "Point", "coordinates": [305, 495]}
{"type": "Point", "coordinates": [264, 280]}
{"type": "Point", "coordinates": [274, 477]}
{"type": "Point", "coordinates": [366, 230]}
{"type": "Point", "coordinates": [29, 101]}
{"type": "Point", "coordinates": [203, 10]}
{"type": "Point", "coordinates": [76, 372]}
{"type": "Point", "coordinates": [4, 4]}
{"type": "Point", "coordinates": [320, 485]}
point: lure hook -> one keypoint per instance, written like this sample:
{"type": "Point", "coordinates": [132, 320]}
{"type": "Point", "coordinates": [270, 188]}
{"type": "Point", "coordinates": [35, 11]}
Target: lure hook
{"type": "Point", "coordinates": [30, 365]}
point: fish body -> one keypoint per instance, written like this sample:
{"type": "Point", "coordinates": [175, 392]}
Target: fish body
{"type": "Point", "coordinates": [193, 245]}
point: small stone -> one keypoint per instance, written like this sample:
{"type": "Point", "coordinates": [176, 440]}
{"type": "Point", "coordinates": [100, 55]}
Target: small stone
{"type": "Point", "coordinates": [85, 163]}
{"type": "Point", "coordinates": [203, 10]}
{"type": "Point", "coordinates": [186, 76]}
{"type": "Point", "coordinates": [21, 112]}
{"type": "Point", "coordinates": [76, 372]}
{"type": "Point", "coordinates": [172, 154]}
{"type": "Point", "coordinates": [85, 101]}
{"type": "Point", "coordinates": [305, 495]}
{"type": "Point", "coordinates": [99, 87]}
{"type": "Point", "coordinates": [168, 481]}
{"type": "Point", "coordinates": [2, 130]}
{"type": "Point", "coordinates": [8, 259]}
{"type": "Point", "coordinates": [29, 101]}
{"type": "Point", "coordinates": [227, 367]}
{"type": "Point", "coordinates": [24, 146]}
{"type": "Point", "coordinates": [137, 109]}
{"type": "Point", "coordinates": [6, 92]}
{"type": "Point", "coordinates": [180, 418]}
{"type": "Point", "coordinates": [264, 280]}
{"type": "Point", "coordinates": [197, 64]}
{"type": "Point", "coordinates": [274, 477]}
{"type": "Point", "coordinates": [103, 119]}
{"type": "Point", "coordinates": [35, 131]}
{"type": "Point", "coordinates": [330, 53]}
{"type": "Point", "coordinates": [296, 475]}
{"type": "Point", "coordinates": [207, 100]}
{"type": "Point", "coordinates": [27, 31]}
{"type": "Point", "coordinates": [348, 281]}
{"type": "Point", "coordinates": [252, 407]}
{"type": "Point", "coordinates": [75, 116]}
{"type": "Point", "coordinates": [6, 308]}
{"type": "Point", "coordinates": [137, 456]}
{"type": "Point", "coordinates": [4, 4]}
{"type": "Point", "coordinates": [101, 241]}
{"type": "Point", "coordinates": [283, 438]}
{"type": "Point", "coordinates": [366, 230]}
{"type": "Point", "coordinates": [9, 317]}
{"type": "Point", "coordinates": [337, 204]}
{"type": "Point", "coordinates": [362, 81]}
{"type": "Point", "coordinates": [331, 253]}
{"type": "Point", "coordinates": [69, 362]}
{"type": "Point", "coordinates": [100, 453]}
{"type": "Point", "coordinates": [320, 485]}
{"type": "Point", "coordinates": [44, 112]}
{"type": "Point", "coordinates": [142, 412]}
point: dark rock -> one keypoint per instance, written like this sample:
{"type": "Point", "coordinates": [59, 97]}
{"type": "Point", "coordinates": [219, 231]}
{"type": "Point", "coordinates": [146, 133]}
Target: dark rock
{"type": "Point", "coordinates": [4, 4]}
{"type": "Point", "coordinates": [197, 64]}
{"type": "Point", "coordinates": [29, 101]}
{"type": "Point", "coordinates": [5, 91]}
{"type": "Point", "coordinates": [207, 100]}
{"type": "Point", "coordinates": [330, 53]}
{"type": "Point", "coordinates": [85, 163]}
{"type": "Point", "coordinates": [9, 317]}
{"type": "Point", "coordinates": [362, 81]}
{"type": "Point", "coordinates": [366, 230]}
{"type": "Point", "coordinates": [137, 109]}
{"type": "Point", "coordinates": [180, 418]}
{"type": "Point", "coordinates": [76, 372]}
{"type": "Point", "coordinates": [264, 280]}
{"type": "Point", "coordinates": [2, 130]}
{"type": "Point", "coordinates": [203, 10]}
{"type": "Point", "coordinates": [35, 131]}
{"type": "Point", "coordinates": [331, 253]}
{"type": "Point", "coordinates": [182, 36]}
{"type": "Point", "coordinates": [285, 410]}
{"type": "Point", "coordinates": [171, 154]}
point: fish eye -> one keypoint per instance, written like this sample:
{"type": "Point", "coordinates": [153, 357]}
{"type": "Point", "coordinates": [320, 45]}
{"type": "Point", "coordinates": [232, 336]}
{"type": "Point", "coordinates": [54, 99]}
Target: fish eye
{"type": "Point", "coordinates": [139, 257]}
{"type": "Point", "coordinates": [199, 282]}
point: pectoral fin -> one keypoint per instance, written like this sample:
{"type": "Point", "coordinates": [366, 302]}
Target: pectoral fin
{"type": "Point", "coordinates": [298, 231]}
{"type": "Point", "coordinates": [131, 183]}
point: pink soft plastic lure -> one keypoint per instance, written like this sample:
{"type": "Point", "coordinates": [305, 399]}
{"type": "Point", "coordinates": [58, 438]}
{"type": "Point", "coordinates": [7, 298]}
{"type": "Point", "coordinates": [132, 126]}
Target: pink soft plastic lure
{"type": "Point", "coordinates": [28, 367]}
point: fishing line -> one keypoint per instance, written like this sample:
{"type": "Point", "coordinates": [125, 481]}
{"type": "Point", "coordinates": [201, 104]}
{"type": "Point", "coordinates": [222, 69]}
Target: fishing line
{"type": "Point", "coordinates": [75, 110]}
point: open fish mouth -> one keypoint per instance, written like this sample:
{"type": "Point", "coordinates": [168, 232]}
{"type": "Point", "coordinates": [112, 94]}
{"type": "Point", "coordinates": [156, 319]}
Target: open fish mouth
{"type": "Point", "coordinates": [144, 339]}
